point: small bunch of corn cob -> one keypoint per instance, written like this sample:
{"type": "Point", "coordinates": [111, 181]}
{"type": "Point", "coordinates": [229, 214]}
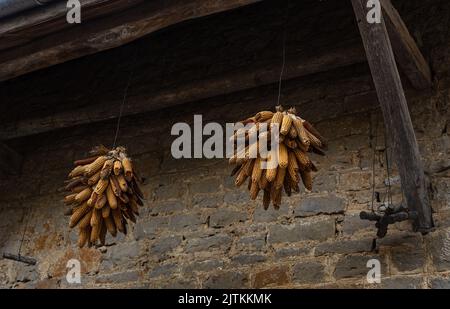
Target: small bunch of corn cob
{"type": "Point", "coordinates": [296, 138]}
{"type": "Point", "coordinates": [104, 195]}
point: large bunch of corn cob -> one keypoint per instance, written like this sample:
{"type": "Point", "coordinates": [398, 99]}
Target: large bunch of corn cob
{"type": "Point", "coordinates": [104, 195]}
{"type": "Point", "coordinates": [296, 138]}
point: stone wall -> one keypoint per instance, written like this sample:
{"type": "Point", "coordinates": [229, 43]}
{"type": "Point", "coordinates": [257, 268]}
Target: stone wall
{"type": "Point", "coordinates": [198, 231]}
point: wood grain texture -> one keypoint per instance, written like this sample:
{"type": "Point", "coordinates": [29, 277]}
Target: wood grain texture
{"type": "Point", "coordinates": [257, 75]}
{"type": "Point", "coordinates": [106, 33]}
{"type": "Point", "coordinates": [396, 115]}
{"type": "Point", "coordinates": [407, 54]}
{"type": "Point", "coordinates": [32, 25]}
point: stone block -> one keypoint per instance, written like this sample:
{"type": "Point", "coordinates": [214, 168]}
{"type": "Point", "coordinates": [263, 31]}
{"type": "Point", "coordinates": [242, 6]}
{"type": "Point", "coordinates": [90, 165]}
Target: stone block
{"type": "Point", "coordinates": [313, 205]}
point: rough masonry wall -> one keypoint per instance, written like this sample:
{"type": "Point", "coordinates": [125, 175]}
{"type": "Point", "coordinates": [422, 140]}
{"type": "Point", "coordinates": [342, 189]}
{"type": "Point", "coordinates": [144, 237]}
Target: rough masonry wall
{"type": "Point", "coordinates": [198, 231]}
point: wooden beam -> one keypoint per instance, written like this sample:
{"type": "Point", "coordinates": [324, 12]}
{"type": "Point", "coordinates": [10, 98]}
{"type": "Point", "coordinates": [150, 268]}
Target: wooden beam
{"type": "Point", "coordinates": [34, 24]}
{"type": "Point", "coordinates": [10, 161]}
{"type": "Point", "coordinates": [396, 114]}
{"type": "Point", "coordinates": [106, 33]}
{"type": "Point", "coordinates": [407, 54]}
{"type": "Point", "coordinates": [243, 79]}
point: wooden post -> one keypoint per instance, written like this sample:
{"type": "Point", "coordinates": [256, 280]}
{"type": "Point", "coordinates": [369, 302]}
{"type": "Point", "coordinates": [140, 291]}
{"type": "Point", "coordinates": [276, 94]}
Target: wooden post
{"type": "Point", "coordinates": [396, 114]}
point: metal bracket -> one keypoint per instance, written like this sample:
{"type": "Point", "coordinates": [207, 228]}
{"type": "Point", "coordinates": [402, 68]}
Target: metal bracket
{"type": "Point", "coordinates": [388, 215]}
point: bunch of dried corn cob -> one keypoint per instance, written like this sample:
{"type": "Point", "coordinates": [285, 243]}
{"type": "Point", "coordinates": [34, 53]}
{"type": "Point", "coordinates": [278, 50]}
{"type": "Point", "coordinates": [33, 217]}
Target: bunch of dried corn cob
{"type": "Point", "coordinates": [296, 138]}
{"type": "Point", "coordinates": [104, 195]}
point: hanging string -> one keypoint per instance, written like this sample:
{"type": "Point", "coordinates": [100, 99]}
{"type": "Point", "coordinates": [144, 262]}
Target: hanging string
{"type": "Point", "coordinates": [284, 53]}
{"type": "Point", "coordinates": [26, 218]}
{"type": "Point", "coordinates": [389, 197]}
{"type": "Point", "coordinates": [125, 94]}
{"type": "Point", "coordinates": [374, 146]}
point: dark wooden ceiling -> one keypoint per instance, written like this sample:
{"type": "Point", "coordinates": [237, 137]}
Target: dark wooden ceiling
{"type": "Point", "coordinates": [197, 59]}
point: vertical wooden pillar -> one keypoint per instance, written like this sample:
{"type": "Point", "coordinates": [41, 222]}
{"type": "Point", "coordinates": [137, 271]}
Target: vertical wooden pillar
{"type": "Point", "coordinates": [396, 114]}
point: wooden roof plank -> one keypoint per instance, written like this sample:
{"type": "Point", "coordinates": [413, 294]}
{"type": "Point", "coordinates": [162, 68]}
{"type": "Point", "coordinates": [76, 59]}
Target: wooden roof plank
{"type": "Point", "coordinates": [242, 79]}
{"type": "Point", "coordinates": [106, 33]}
{"type": "Point", "coordinates": [407, 54]}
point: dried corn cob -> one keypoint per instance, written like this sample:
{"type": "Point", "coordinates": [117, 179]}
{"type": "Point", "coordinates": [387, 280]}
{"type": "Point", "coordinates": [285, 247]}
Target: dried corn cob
{"type": "Point", "coordinates": [115, 186]}
{"type": "Point", "coordinates": [307, 179]}
{"type": "Point", "coordinates": [78, 214]}
{"type": "Point", "coordinates": [122, 183]}
{"type": "Point", "coordinates": [106, 211]}
{"type": "Point", "coordinates": [105, 194]}
{"type": "Point", "coordinates": [254, 190]}
{"type": "Point", "coordinates": [95, 232]}
{"type": "Point", "coordinates": [94, 179]}
{"type": "Point", "coordinates": [277, 119]}
{"type": "Point", "coordinates": [293, 132]}
{"type": "Point", "coordinates": [301, 132]}
{"type": "Point", "coordinates": [293, 167]}
{"type": "Point", "coordinates": [257, 171]}
{"type": "Point", "coordinates": [77, 171]}
{"type": "Point", "coordinates": [101, 201]}
{"type": "Point", "coordinates": [86, 221]}
{"type": "Point", "coordinates": [127, 168]}
{"type": "Point", "coordinates": [308, 126]}
{"type": "Point", "coordinates": [74, 182]}
{"type": "Point", "coordinates": [304, 162]}
{"type": "Point", "coordinates": [111, 226]}
{"type": "Point", "coordinates": [117, 216]}
{"type": "Point", "coordinates": [83, 195]}
{"type": "Point", "coordinates": [297, 137]}
{"type": "Point", "coordinates": [93, 199]}
{"type": "Point", "coordinates": [107, 169]}
{"type": "Point", "coordinates": [83, 236]}
{"type": "Point", "coordinates": [283, 155]}
{"type": "Point", "coordinates": [95, 166]}
{"type": "Point", "coordinates": [286, 124]}
{"type": "Point", "coordinates": [134, 206]}
{"type": "Point", "coordinates": [242, 176]}
{"type": "Point", "coordinates": [69, 199]}
{"type": "Point", "coordinates": [263, 182]}
{"type": "Point", "coordinates": [78, 189]}
{"type": "Point", "coordinates": [279, 179]}
{"type": "Point", "coordinates": [117, 167]}
{"type": "Point", "coordinates": [112, 200]}
{"type": "Point", "coordinates": [95, 218]}
{"type": "Point", "coordinates": [263, 116]}
{"type": "Point", "coordinates": [101, 186]}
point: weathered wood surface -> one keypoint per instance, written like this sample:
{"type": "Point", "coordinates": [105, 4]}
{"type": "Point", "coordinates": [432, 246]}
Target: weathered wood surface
{"type": "Point", "coordinates": [205, 58]}
{"type": "Point", "coordinates": [106, 33]}
{"type": "Point", "coordinates": [407, 54]}
{"type": "Point", "coordinates": [243, 79]}
{"type": "Point", "coordinates": [10, 160]}
{"type": "Point", "coordinates": [396, 114]}
{"type": "Point", "coordinates": [31, 25]}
